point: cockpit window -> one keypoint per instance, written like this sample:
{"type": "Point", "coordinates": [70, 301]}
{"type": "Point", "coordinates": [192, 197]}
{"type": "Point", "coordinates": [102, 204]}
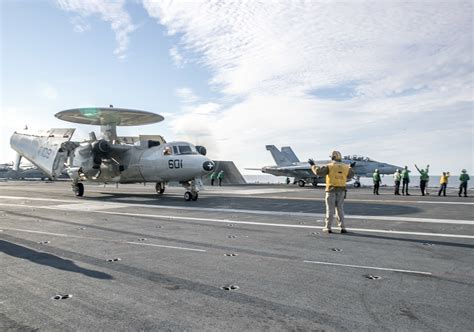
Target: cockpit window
{"type": "Point", "coordinates": [167, 151]}
{"type": "Point", "coordinates": [175, 149]}
{"type": "Point", "coordinates": [185, 149]}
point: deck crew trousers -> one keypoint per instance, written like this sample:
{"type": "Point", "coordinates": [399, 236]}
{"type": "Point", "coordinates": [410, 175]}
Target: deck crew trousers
{"type": "Point", "coordinates": [335, 205]}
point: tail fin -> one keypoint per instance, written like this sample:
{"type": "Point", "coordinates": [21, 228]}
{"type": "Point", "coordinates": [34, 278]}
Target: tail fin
{"type": "Point", "coordinates": [280, 158]}
{"type": "Point", "coordinates": [43, 149]}
{"type": "Point", "coordinates": [291, 156]}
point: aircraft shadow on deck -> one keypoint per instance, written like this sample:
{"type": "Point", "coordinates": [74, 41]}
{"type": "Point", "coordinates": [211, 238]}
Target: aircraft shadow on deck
{"type": "Point", "coordinates": [42, 258]}
{"type": "Point", "coordinates": [258, 204]}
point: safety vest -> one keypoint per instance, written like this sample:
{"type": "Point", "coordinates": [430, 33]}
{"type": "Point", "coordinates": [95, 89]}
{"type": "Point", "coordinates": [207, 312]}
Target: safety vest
{"type": "Point", "coordinates": [464, 177]}
{"type": "Point", "coordinates": [443, 179]}
{"type": "Point", "coordinates": [376, 177]}
{"type": "Point", "coordinates": [397, 176]}
{"type": "Point", "coordinates": [424, 175]}
{"type": "Point", "coordinates": [337, 175]}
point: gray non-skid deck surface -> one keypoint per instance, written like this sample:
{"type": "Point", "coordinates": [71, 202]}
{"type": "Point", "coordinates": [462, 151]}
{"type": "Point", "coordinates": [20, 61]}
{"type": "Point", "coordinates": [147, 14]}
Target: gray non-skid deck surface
{"type": "Point", "coordinates": [175, 257]}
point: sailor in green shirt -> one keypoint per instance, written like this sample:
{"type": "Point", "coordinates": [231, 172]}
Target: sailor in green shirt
{"type": "Point", "coordinates": [213, 177]}
{"type": "Point", "coordinates": [463, 178]}
{"type": "Point", "coordinates": [424, 178]}
{"type": "Point", "coordinates": [405, 180]}
{"type": "Point", "coordinates": [377, 180]}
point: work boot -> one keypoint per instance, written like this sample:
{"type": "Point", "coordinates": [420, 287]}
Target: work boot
{"type": "Point", "coordinates": [327, 230]}
{"type": "Point", "coordinates": [343, 230]}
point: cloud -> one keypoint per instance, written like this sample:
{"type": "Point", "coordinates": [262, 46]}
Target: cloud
{"type": "Point", "coordinates": [110, 11]}
{"type": "Point", "coordinates": [366, 77]}
{"type": "Point", "coordinates": [80, 24]}
{"type": "Point", "coordinates": [186, 95]}
{"type": "Point", "coordinates": [177, 58]}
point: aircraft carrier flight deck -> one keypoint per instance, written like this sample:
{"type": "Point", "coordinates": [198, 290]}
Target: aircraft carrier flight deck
{"type": "Point", "coordinates": [250, 257]}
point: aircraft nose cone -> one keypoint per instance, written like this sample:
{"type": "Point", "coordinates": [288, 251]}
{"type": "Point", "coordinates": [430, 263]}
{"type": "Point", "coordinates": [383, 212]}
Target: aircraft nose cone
{"type": "Point", "coordinates": [208, 166]}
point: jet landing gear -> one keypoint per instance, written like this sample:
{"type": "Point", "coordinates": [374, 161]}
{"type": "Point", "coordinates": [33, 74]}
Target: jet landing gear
{"type": "Point", "coordinates": [189, 195]}
{"type": "Point", "coordinates": [78, 189]}
{"type": "Point", "coordinates": [160, 188]}
{"type": "Point", "coordinates": [192, 189]}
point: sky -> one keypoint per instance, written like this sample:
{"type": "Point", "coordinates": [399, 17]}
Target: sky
{"type": "Point", "coordinates": [391, 80]}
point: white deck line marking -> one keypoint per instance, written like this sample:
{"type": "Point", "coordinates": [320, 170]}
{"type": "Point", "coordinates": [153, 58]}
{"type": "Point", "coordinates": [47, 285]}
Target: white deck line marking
{"type": "Point", "coordinates": [100, 239]}
{"type": "Point", "coordinates": [267, 197]}
{"type": "Point", "coordinates": [346, 200]}
{"type": "Point", "coordinates": [369, 267]}
{"type": "Point", "coordinates": [283, 225]}
{"type": "Point", "coordinates": [36, 232]}
{"type": "Point", "coordinates": [162, 246]}
{"type": "Point", "coordinates": [108, 205]}
{"type": "Point", "coordinates": [261, 223]}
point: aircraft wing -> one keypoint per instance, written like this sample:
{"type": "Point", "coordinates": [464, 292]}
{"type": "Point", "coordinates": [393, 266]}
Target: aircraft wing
{"type": "Point", "coordinates": [45, 149]}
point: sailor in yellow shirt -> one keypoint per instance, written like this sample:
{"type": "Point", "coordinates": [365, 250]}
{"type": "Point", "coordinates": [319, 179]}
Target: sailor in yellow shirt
{"type": "Point", "coordinates": [443, 181]}
{"type": "Point", "coordinates": [337, 173]}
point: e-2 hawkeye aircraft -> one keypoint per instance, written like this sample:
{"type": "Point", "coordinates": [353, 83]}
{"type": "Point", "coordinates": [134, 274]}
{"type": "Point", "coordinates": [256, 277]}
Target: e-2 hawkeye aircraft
{"type": "Point", "coordinates": [114, 159]}
{"type": "Point", "coordinates": [288, 164]}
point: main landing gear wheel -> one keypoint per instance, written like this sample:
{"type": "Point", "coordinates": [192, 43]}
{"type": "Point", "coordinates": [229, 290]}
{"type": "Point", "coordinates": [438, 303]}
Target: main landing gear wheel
{"type": "Point", "coordinates": [188, 196]}
{"type": "Point", "coordinates": [78, 189]}
{"type": "Point", "coordinates": [301, 183]}
{"type": "Point", "coordinates": [160, 188]}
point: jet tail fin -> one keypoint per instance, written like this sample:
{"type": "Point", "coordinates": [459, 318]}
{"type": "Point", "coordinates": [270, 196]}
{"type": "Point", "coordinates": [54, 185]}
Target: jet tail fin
{"type": "Point", "coordinates": [291, 156]}
{"type": "Point", "coordinates": [45, 149]}
{"type": "Point", "coordinates": [280, 158]}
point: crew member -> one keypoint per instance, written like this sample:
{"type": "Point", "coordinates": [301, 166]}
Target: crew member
{"type": "Point", "coordinates": [405, 180]}
{"type": "Point", "coordinates": [220, 176]}
{"type": "Point", "coordinates": [337, 173]}
{"type": "Point", "coordinates": [377, 180]}
{"type": "Point", "coordinates": [213, 177]}
{"type": "Point", "coordinates": [424, 178]}
{"type": "Point", "coordinates": [463, 178]}
{"type": "Point", "coordinates": [443, 181]}
{"type": "Point", "coordinates": [397, 177]}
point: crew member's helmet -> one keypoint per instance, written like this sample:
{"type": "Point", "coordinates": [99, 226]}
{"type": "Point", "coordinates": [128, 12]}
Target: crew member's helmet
{"type": "Point", "coordinates": [463, 170]}
{"type": "Point", "coordinates": [376, 170]}
{"type": "Point", "coordinates": [336, 155]}
{"type": "Point", "coordinates": [398, 170]}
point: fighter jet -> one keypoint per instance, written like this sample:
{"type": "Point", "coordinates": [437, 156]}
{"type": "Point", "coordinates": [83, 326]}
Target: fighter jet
{"type": "Point", "coordinates": [288, 164]}
{"type": "Point", "coordinates": [114, 159]}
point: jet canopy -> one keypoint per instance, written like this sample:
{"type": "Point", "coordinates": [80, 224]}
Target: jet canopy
{"type": "Point", "coordinates": [179, 148]}
{"type": "Point", "coordinates": [357, 158]}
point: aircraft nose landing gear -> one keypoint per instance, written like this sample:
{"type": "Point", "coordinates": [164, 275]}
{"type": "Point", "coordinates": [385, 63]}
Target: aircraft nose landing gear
{"type": "Point", "coordinates": [190, 196]}
{"type": "Point", "coordinates": [192, 189]}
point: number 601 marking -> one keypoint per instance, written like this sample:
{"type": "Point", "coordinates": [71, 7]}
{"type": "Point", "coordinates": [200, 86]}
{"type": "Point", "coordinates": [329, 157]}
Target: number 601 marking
{"type": "Point", "coordinates": [175, 163]}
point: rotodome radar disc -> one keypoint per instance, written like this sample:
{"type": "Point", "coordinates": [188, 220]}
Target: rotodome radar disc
{"type": "Point", "coordinates": [102, 116]}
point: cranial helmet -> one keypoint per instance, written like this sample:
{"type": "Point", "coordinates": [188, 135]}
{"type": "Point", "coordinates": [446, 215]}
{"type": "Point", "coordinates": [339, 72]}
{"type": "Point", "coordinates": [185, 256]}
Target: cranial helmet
{"type": "Point", "coordinates": [336, 155]}
{"type": "Point", "coordinates": [398, 170]}
{"type": "Point", "coordinates": [463, 170]}
{"type": "Point", "coordinates": [376, 170]}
